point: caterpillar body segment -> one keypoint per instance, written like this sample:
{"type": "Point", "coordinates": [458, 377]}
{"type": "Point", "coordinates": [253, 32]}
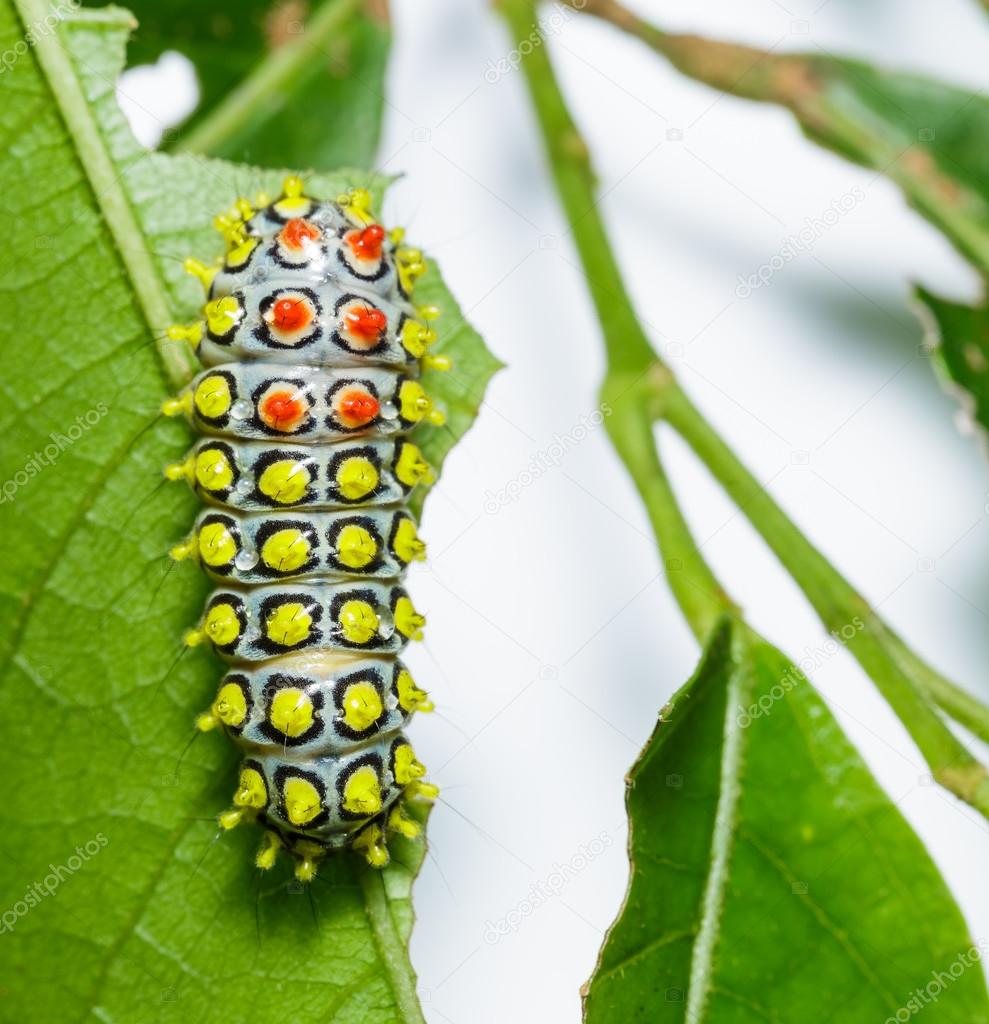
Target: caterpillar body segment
{"type": "Point", "coordinates": [312, 348]}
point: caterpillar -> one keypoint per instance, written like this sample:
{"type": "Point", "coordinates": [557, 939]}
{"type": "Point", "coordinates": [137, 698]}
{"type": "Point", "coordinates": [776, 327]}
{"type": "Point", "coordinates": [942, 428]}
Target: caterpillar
{"type": "Point", "coordinates": [312, 350]}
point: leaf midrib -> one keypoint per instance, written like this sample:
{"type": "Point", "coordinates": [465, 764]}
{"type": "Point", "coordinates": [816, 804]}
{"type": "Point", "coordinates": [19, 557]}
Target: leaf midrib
{"type": "Point", "coordinates": [104, 182]}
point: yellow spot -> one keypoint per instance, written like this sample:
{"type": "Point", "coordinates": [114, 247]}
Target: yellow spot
{"type": "Point", "coordinates": [199, 270]}
{"type": "Point", "coordinates": [371, 843]}
{"type": "Point", "coordinates": [217, 545]}
{"type": "Point", "coordinates": [212, 396]}
{"type": "Point", "coordinates": [302, 802]}
{"type": "Point", "coordinates": [285, 481]}
{"type": "Point", "coordinates": [355, 547]}
{"type": "Point", "coordinates": [291, 712]}
{"type": "Point", "coordinates": [179, 406]}
{"type": "Point", "coordinates": [356, 477]}
{"type": "Point", "coordinates": [410, 697]}
{"type": "Point", "coordinates": [223, 315]}
{"type": "Point", "coordinates": [213, 470]}
{"type": "Point", "coordinates": [230, 706]}
{"type": "Point", "coordinates": [362, 792]}
{"type": "Point", "coordinates": [285, 550]}
{"type": "Point", "coordinates": [288, 624]}
{"type": "Point", "coordinates": [268, 852]}
{"type": "Point", "coordinates": [222, 625]}
{"type": "Point", "coordinates": [411, 266]}
{"type": "Point", "coordinates": [407, 767]}
{"type": "Point", "coordinates": [407, 620]}
{"type": "Point", "coordinates": [406, 543]}
{"type": "Point", "coordinates": [361, 706]}
{"type": "Point", "coordinates": [402, 824]}
{"type": "Point", "coordinates": [251, 789]}
{"type": "Point", "coordinates": [411, 467]}
{"type": "Point", "coordinates": [358, 622]}
{"type": "Point", "coordinates": [415, 337]}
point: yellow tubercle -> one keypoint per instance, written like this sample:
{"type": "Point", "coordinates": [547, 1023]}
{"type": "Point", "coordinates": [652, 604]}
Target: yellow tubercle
{"type": "Point", "coordinates": [187, 549]}
{"type": "Point", "coordinates": [429, 312]}
{"type": "Point", "coordinates": [371, 843]}
{"type": "Point", "coordinates": [268, 852]}
{"type": "Point", "coordinates": [410, 697]}
{"type": "Point", "coordinates": [194, 638]}
{"type": "Point", "coordinates": [232, 818]}
{"type": "Point", "coordinates": [406, 543]}
{"type": "Point", "coordinates": [411, 266]}
{"type": "Point", "coordinates": [230, 706]}
{"type": "Point", "coordinates": [396, 236]}
{"type": "Point", "coordinates": [408, 768]}
{"type": "Point", "coordinates": [402, 824]}
{"type": "Point", "coordinates": [251, 790]}
{"type": "Point", "coordinates": [200, 270]}
{"type": "Point", "coordinates": [243, 207]}
{"type": "Point", "coordinates": [305, 868]}
{"type": "Point", "coordinates": [192, 333]}
{"type": "Point", "coordinates": [422, 790]}
{"type": "Point", "coordinates": [415, 404]}
{"type": "Point", "coordinates": [411, 467]}
{"type": "Point", "coordinates": [181, 405]}
{"type": "Point", "coordinates": [185, 470]}
{"type": "Point", "coordinates": [222, 314]}
{"type": "Point", "coordinates": [356, 204]}
{"type": "Point", "coordinates": [416, 337]}
{"type": "Point", "coordinates": [207, 721]}
{"type": "Point", "coordinates": [439, 363]}
{"type": "Point", "coordinates": [407, 620]}
{"type": "Point", "coordinates": [261, 199]}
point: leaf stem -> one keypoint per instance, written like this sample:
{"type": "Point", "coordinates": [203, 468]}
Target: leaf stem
{"type": "Point", "coordinates": [268, 84]}
{"type": "Point", "coordinates": [842, 610]}
{"type": "Point", "coordinates": [639, 389]}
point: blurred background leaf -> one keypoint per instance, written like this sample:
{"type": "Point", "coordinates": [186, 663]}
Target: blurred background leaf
{"type": "Point", "coordinates": [324, 112]}
{"type": "Point", "coordinates": [772, 879]}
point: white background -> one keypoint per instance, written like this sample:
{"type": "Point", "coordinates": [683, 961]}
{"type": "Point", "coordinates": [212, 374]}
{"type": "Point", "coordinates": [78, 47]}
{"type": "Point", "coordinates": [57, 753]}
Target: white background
{"type": "Point", "coordinates": [553, 640]}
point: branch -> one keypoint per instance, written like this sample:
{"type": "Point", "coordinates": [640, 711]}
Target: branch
{"type": "Point", "coordinates": [640, 389]}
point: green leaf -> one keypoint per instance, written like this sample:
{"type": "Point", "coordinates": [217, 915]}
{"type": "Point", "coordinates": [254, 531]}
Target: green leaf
{"type": "Point", "coordinates": [926, 136]}
{"type": "Point", "coordinates": [323, 108]}
{"type": "Point", "coordinates": [958, 337]}
{"type": "Point", "coordinates": [800, 895]}
{"type": "Point", "coordinates": [116, 902]}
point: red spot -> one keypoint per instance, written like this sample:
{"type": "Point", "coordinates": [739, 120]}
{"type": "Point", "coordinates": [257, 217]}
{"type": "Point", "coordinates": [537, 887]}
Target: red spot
{"type": "Point", "coordinates": [282, 410]}
{"type": "Point", "coordinates": [297, 232]}
{"type": "Point", "coordinates": [289, 314]}
{"type": "Point", "coordinates": [365, 322]}
{"type": "Point", "coordinates": [366, 243]}
{"type": "Point", "coordinates": [356, 408]}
